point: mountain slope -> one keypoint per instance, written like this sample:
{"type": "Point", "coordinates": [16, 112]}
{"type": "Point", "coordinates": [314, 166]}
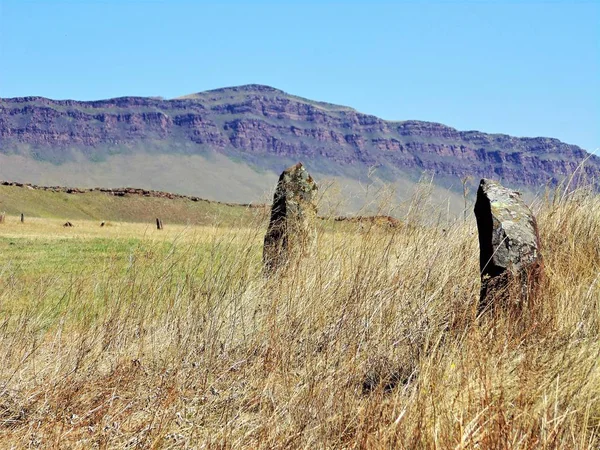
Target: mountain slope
{"type": "Point", "coordinates": [254, 131]}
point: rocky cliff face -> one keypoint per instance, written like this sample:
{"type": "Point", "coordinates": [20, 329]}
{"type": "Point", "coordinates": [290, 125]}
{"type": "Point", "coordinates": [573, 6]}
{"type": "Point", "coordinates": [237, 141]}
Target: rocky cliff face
{"type": "Point", "coordinates": [259, 124]}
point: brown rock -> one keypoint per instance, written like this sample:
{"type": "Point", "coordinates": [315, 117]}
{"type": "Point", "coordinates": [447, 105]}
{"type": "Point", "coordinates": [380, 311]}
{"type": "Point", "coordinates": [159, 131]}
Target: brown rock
{"type": "Point", "coordinates": [509, 244]}
{"type": "Point", "coordinates": [291, 231]}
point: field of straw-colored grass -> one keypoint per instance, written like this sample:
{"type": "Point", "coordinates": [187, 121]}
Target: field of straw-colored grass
{"type": "Point", "coordinates": [127, 337]}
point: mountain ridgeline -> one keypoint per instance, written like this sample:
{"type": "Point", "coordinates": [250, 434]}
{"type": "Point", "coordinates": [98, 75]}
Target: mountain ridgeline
{"type": "Point", "coordinates": [260, 128]}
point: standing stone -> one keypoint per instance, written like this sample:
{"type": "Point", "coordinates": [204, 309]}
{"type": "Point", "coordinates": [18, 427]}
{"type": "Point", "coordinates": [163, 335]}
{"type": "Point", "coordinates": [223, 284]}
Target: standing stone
{"type": "Point", "coordinates": [509, 244]}
{"type": "Point", "coordinates": [291, 231]}
{"type": "Point", "coordinates": [159, 225]}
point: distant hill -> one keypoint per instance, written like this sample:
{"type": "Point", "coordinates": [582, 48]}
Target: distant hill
{"type": "Point", "coordinates": [230, 144]}
{"type": "Point", "coordinates": [122, 205]}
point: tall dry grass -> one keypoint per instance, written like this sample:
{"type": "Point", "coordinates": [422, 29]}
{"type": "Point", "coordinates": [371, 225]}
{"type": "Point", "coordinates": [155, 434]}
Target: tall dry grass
{"type": "Point", "coordinates": [371, 343]}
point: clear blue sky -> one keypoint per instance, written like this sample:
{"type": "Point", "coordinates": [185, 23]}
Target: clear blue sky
{"type": "Point", "coordinates": [522, 68]}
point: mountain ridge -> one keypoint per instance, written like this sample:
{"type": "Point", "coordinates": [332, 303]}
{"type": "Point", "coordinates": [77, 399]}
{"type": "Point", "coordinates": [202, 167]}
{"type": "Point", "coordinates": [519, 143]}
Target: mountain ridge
{"type": "Point", "coordinates": [255, 87]}
{"type": "Point", "coordinates": [265, 128]}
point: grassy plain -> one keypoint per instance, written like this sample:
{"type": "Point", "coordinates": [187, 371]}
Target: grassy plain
{"type": "Point", "coordinates": [129, 337]}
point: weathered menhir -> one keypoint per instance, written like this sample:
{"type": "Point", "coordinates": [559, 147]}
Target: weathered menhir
{"type": "Point", "coordinates": [509, 244]}
{"type": "Point", "coordinates": [291, 230]}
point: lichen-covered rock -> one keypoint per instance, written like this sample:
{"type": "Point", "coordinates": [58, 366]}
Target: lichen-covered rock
{"type": "Point", "coordinates": [509, 244]}
{"type": "Point", "coordinates": [291, 231]}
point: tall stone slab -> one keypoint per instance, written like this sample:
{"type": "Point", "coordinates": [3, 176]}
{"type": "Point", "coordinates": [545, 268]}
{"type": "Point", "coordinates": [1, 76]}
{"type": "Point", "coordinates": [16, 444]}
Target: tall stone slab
{"type": "Point", "coordinates": [291, 232]}
{"type": "Point", "coordinates": [509, 244]}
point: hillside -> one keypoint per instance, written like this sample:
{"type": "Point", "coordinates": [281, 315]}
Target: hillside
{"type": "Point", "coordinates": [123, 205]}
{"type": "Point", "coordinates": [230, 144]}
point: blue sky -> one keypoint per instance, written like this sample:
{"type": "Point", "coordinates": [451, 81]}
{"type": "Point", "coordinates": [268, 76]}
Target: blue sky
{"type": "Point", "coordinates": [521, 68]}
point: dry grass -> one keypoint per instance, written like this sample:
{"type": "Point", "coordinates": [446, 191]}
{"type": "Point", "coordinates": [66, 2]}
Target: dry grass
{"type": "Point", "coordinates": [177, 341]}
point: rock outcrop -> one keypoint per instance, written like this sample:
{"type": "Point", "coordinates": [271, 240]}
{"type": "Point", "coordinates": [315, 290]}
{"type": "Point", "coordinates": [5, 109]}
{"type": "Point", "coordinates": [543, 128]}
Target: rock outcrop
{"type": "Point", "coordinates": [291, 232]}
{"type": "Point", "coordinates": [509, 245]}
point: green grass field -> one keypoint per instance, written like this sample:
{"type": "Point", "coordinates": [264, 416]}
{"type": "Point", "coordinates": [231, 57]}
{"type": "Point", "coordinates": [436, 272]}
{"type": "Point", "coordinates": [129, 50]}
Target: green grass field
{"type": "Point", "coordinates": [129, 337]}
{"type": "Point", "coordinates": [52, 262]}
